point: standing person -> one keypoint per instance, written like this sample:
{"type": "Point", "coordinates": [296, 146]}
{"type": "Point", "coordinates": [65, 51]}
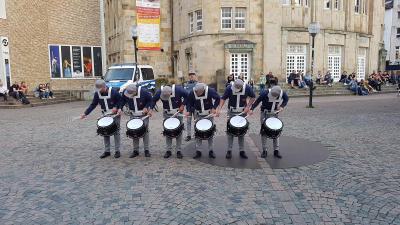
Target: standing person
{"type": "Point", "coordinates": [202, 102]}
{"type": "Point", "coordinates": [189, 88]}
{"type": "Point", "coordinates": [268, 79]}
{"type": "Point", "coordinates": [273, 102]}
{"type": "Point", "coordinates": [108, 99]}
{"type": "Point", "coordinates": [241, 96]}
{"type": "Point", "coordinates": [263, 82]}
{"type": "Point", "coordinates": [173, 98]}
{"type": "Point", "coordinates": [139, 101]}
{"type": "Point", "coordinates": [3, 91]}
{"type": "Point", "coordinates": [229, 80]}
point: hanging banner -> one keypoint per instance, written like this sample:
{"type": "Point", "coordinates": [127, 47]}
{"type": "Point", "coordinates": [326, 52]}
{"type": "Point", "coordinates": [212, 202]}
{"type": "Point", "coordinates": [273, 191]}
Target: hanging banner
{"type": "Point", "coordinates": [148, 24]}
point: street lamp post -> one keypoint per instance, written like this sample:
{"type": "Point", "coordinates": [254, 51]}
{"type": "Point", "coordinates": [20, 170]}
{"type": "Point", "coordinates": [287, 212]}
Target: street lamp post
{"type": "Point", "coordinates": [134, 34]}
{"type": "Point", "coordinates": [313, 29]}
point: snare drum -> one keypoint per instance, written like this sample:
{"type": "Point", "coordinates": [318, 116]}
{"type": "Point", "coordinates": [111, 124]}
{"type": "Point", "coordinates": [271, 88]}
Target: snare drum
{"type": "Point", "coordinates": [237, 126]}
{"type": "Point", "coordinates": [272, 127]}
{"type": "Point", "coordinates": [135, 128]}
{"type": "Point", "coordinates": [173, 127]}
{"type": "Point", "coordinates": [107, 126]}
{"type": "Point", "coordinates": [204, 129]}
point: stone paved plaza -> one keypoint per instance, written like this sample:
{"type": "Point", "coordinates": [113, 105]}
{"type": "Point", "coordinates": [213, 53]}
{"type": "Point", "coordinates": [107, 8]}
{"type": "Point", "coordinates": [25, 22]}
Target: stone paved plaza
{"type": "Point", "coordinates": [50, 172]}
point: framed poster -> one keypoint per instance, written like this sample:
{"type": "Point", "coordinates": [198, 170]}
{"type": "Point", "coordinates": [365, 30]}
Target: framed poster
{"type": "Point", "coordinates": [77, 70]}
{"type": "Point", "coordinates": [54, 57]}
{"type": "Point", "coordinates": [87, 61]}
{"type": "Point", "coordinates": [98, 62]}
{"type": "Point", "coordinates": [66, 61]}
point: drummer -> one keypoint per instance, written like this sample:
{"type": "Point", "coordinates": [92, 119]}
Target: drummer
{"type": "Point", "coordinates": [241, 96]}
{"type": "Point", "coordinates": [202, 102]}
{"type": "Point", "coordinates": [189, 88]}
{"type": "Point", "coordinates": [139, 101]}
{"type": "Point", "coordinates": [173, 98]}
{"type": "Point", "coordinates": [273, 100]}
{"type": "Point", "coordinates": [108, 99]}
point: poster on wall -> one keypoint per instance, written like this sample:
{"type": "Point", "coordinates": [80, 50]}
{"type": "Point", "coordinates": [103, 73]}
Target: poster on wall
{"type": "Point", "coordinates": [87, 62]}
{"type": "Point", "coordinates": [66, 61]}
{"type": "Point", "coordinates": [148, 23]}
{"type": "Point", "coordinates": [98, 63]}
{"type": "Point", "coordinates": [54, 51]}
{"type": "Point", "coordinates": [77, 61]}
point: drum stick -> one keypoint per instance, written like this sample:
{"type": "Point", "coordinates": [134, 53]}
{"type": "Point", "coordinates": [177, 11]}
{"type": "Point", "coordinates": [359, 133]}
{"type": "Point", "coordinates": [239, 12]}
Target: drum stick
{"type": "Point", "coordinates": [75, 118]}
{"type": "Point", "coordinates": [175, 114]}
{"type": "Point", "coordinates": [143, 118]}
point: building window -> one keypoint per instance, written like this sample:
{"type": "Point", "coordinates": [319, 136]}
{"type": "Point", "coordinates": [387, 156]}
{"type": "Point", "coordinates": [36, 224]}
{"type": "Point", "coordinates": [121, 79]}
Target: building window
{"type": "Point", "coordinates": [226, 18]}
{"type": "Point", "coordinates": [191, 23]}
{"type": "Point", "coordinates": [199, 20]}
{"type": "Point", "coordinates": [327, 4]}
{"type": "Point", "coordinates": [397, 53]}
{"type": "Point", "coordinates": [360, 7]}
{"type": "Point", "coordinates": [285, 2]}
{"type": "Point", "coordinates": [240, 18]}
{"type": "Point", "coordinates": [398, 15]}
{"type": "Point", "coordinates": [335, 61]}
{"type": "Point", "coordinates": [296, 56]}
{"type": "Point", "coordinates": [336, 4]}
{"type": "Point", "coordinates": [362, 58]}
{"type": "Point", "coordinates": [190, 62]}
{"type": "Point", "coordinates": [240, 65]}
{"type": "Point", "coordinates": [397, 32]}
{"type": "Point", "coordinates": [3, 9]}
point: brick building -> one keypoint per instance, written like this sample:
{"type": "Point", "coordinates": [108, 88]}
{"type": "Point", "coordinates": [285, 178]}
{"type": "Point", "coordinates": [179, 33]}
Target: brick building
{"type": "Point", "coordinates": [31, 27]}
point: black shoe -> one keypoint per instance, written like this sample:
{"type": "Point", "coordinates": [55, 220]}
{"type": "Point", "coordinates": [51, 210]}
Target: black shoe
{"type": "Point", "coordinates": [147, 154]}
{"type": "Point", "coordinates": [105, 155]}
{"type": "Point", "coordinates": [264, 154]}
{"type": "Point", "coordinates": [117, 155]}
{"type": "Point", "coordinates": [134, 154]}
{"type": "Point", "coordinates": [167, 154]}
{"type": "Point", "coordinates": [198, 155]}
{"type": "Point", "coordinates": [211, 155]}
{"type": "Point", "coordinates": [243, 155]}
{"type": "Point", "coordinates": [228, 155]}
{"type": "Point", "coordinates": [188, 138]}
{"type": "Point", "coordinates": [179, 155]}
{"type": "Point", "coordinates": [277, 155]}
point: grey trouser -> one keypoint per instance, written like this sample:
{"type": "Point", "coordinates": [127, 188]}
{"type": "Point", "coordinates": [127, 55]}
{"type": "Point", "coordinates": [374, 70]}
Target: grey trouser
{"type": "Point", "coordinates": [189, 125]}
{"type": "Point", "coordinates": [265, 115]}
{"type": "Point", "coordinates": [145, 137]}
{"type": "Point", "coordinates": [230, 137]}
{"type": "Point", "coordinates": [178, 139]}
{"type": "Point", "coordinates": [199, 141]}
{"type": "Point", "coordinates": [117, 138]}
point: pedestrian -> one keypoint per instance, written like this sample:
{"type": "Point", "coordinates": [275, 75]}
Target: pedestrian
{"type": "Point", "coordinates": [189, 88]}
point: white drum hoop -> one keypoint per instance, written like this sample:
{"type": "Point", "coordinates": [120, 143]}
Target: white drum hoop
{"type": "Point", "coordinates": [105, 121]}
{"type": "Point", "coordinates": [204, 125]}
{"type": "Point", "coordinates": [274, 123]}
{"type": "Point", "coordinates": [238, 121]}
{"type": "Point", "coordinates": [172, 123]}
{"type": "Point", "coordinates": [134, 124]}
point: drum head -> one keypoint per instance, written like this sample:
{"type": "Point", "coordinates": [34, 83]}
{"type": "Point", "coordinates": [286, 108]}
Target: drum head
{"type": "Point", "coordinates": [172, 123]}
{"type": "Point", "coordinates": [238, 121]}
{"type": "Point", "coordinates": [135, 124]}
{"type": "Point", "coordinates": [274, 123]}
{"type": "Point", "coordinates": [105, 121]}
{"type": "Point", "coordinates": [204, 125]}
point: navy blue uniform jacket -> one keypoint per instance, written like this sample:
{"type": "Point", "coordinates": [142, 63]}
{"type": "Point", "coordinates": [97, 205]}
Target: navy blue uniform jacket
{"type": "Point", "coordinates": [192, 104]}
{"type": "Point", "coordinates": [113, 102]}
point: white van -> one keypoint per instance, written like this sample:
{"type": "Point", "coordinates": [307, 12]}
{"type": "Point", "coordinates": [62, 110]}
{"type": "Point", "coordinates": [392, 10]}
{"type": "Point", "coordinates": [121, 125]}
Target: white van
{"type": "Point", "coordinates": [121, 75]}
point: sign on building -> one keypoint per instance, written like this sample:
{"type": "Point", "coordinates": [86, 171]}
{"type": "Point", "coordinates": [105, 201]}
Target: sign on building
{"type": "Point", "coordinates": [148, 22]}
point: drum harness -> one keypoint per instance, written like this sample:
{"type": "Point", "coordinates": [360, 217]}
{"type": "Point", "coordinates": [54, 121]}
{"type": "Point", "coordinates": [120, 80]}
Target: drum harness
{"type": "Point", "coordinates": [278, 100]}
{"type": "Point", "coordinates": [203, 112]}
{"type": "Point", "coordinates": [105, 98]}
{"type": "Point", "coordinates": [238, 109]}
{"type": "Point", "coordinates": [171, 110]}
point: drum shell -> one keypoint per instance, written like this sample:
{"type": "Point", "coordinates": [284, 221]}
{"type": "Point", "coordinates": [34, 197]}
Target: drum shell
{"type": "Point", "coordinates": [236, 131]}
{"type": "Point", "coordinates": [136, 133]}
{"type": "Point", "coordinates": [109, 130]}
{"type": "Point", "coordinates": [204, 135]}
{"type": "Point", "coordinates": [174, 133]}
{"type": "Point", "coordinates": [273, 134]}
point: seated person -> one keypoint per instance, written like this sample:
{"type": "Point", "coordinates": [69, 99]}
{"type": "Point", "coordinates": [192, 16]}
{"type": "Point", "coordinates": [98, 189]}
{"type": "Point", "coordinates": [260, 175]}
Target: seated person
{"type": "Point", "coordinates": [328, 80]}
{"type": "Point", "coordinates": [319, 78]}
{"type": "Point", "coordinates": [16, 92]}
{"type": "Point", "coordinates": [393, 78]}
{"type": "Point", "coordinates": [301, 82]}
{"type": "Point", "coordinates": [294, 77]}
{"type": "Point", "coordinates": [308, 78]}
{"type": "Point", "coordinates": [42, 91]}
{"type": "Point", "coordinates": [343, 77]}
{"type": "Point", "coordinates": [23, 87]}
{"type": "Point", "coordinates": [49, 91]}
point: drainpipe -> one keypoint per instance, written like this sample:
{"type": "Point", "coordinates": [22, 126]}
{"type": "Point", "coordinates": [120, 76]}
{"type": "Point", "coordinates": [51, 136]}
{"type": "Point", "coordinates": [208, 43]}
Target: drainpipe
{"type": "Point", "coordinates": [103, 38]}
{"type": "Point", "coordinates": [172, 38]}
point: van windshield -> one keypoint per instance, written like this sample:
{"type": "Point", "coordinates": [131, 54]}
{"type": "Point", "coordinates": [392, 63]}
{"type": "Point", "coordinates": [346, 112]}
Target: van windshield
{"type": "Point", "coordinates": [122, 74]}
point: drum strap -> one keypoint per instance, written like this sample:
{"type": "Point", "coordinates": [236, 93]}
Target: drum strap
{"type": "Point", "coordinates": [105, 98]}
{"type": "Point", "coordinates": [135, 98]}
{"type": "Point", "coordinates": [201, 98]}
{"type": "Point", "coordinates": [172, 96]}
{"type": "Point", "coordinates": [238, 95]}
{"type": "Point", "coordinates": [274, 100]}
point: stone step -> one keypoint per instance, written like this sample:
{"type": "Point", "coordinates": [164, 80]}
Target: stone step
{"type": "Point", "coordinates": [34, 104]}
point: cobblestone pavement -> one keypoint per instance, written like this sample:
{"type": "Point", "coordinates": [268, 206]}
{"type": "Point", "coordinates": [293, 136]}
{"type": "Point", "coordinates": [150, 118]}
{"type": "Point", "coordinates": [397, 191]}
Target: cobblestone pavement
{"type": "Point", "coordinates": [50, 172]}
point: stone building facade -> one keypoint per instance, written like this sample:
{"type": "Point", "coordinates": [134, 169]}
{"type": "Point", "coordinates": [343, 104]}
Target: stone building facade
{"type": "Point", "coordinates": [31, 26]}
{"type": "Point", "coordinates": [250, 37]}
{"type": "Point", "coordinates": [392, 32]}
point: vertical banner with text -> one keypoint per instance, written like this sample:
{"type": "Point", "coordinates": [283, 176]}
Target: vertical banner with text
{"type": "Point", "coordinates": [148, 23]}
